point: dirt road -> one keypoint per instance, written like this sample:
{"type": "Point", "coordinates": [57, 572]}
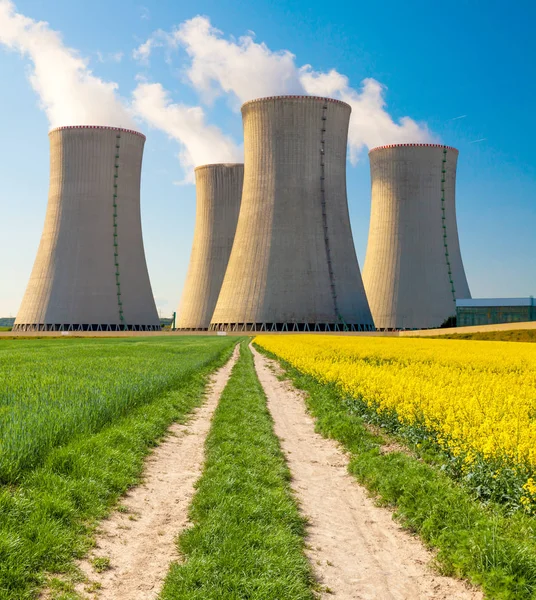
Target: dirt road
{"type": "Point", "coordinates": [355, 547]}
{"type": "Point", "coordinates": [140, 542]}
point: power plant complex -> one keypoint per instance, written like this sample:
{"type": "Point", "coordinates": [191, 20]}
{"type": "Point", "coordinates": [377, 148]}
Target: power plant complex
{"type": "Point", "coordinates": [218, 194]}
{"type": "Point", "coordinates": [272, 248]}
{"type": "Point", "coordinates": [293, 265]}
{"type": "Point", "coordinates": [90, 271]}
{"type": "Point", "coordinates": [413, 269]}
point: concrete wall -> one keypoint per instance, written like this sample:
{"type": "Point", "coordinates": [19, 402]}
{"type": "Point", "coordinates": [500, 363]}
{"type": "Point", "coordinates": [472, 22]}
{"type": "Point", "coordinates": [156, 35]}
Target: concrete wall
{"type": "Point", "coordinates": [410, 253]}
{"type": "Point", "coordinates": [423, 333]}
{"type": "Point", "coordinates": [293, 258]}
{"type": "Point", "coordinates": [79, 276]}
{"type": "Point", "coordinates": [218, 194]}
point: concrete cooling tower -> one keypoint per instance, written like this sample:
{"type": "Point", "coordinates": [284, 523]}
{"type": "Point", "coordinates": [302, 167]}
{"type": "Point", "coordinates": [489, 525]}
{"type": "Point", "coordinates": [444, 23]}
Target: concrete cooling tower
{"type": "Point", "coordinates": [293, 264]}
{"type": "Point", "coordinates": [218, 194]}
{"type": "Point", "coordinates": [90, 271]}
{"type": "Point", "coordinates": [413, 270]}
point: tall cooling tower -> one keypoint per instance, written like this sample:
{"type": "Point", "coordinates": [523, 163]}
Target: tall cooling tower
{"type": "Point", "coordinates": [90, 271]}
{"type": "Point", "coordinates": [413, 268]}
{"type": "Point", "coordinates": [218, 194]}
{"type": "Point", "coordinates": [293, 264]}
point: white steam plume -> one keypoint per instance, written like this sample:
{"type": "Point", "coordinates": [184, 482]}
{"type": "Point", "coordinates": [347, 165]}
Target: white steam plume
{"type": "Point", "coordinates": [70, 94]}
{"type": "Point", "coordinates": [201, 143]}
{"type": "Point", "coordinates": [370, 124]}
{"type": "Point", "coordinates": [246, 70]}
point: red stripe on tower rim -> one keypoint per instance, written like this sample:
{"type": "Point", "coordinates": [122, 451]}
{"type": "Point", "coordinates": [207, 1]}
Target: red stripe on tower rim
{"type": "Point", "coordinates": [388, 146]}
{"type": "Point", "coordinates": [288, 97]}
{"type": "Point", "coordinates": [102, 127]}
{"type": "Point", "coordinates": [222, 164]}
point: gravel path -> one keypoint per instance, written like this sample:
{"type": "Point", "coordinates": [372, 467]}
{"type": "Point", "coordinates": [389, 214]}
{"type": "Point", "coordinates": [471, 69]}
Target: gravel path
{"type": "Point", "coordinates": [140, 542]}
{"type": "Point", "coordinates": [355, 547]}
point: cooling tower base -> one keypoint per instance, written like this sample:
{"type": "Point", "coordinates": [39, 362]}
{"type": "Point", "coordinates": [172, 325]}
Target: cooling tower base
{"type": "Point", "coordinates": [291, 327]}
{"type": "Point", "coordinates": [83, 327]}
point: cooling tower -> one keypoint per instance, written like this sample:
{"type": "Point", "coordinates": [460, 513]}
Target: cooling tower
{"type": "Point", "coordinates": [293, 264]}
{"type": "Point", "coordinates": [90, 271]}
{"type": "Point", "coordinates": [413, 268]}
{"type": "Point", "coordinates": [218, 194]}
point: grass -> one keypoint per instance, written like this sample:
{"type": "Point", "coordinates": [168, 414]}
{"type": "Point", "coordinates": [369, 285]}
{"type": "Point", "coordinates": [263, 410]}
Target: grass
{"type": "Point", "coordinates": [247, 541]}
{"type": "Point", "coordinates": [48, 517]}
{"type": "Point", "coordinates": [477, 542]}
{"type": "Point", "coordinates": [54, 390]}
{"type": "Point", "coordinates": [514, 335]}
{"type": "Point", "coordinates": [101, 564]}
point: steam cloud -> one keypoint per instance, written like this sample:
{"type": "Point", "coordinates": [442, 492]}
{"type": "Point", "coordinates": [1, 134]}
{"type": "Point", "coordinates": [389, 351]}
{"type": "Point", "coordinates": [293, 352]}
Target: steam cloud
{"type": "Point", "coordinates": [245, 70]}
{"type": "Point", "coordinates": [201, 143]}
{"type": "Point", "coordinates": [70, 94]}
{"type": "Point", "coordinates": [242, 69]}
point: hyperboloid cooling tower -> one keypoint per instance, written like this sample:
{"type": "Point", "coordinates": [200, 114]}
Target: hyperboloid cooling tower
{"type": "Point", "coordinates": [293, 264]}
{"type": "Point", "coordinates": [218, 194]}
{"type": "Point", "coordinates": [413, 268]}
{"type": "Point", "coordinates": [90, 271]}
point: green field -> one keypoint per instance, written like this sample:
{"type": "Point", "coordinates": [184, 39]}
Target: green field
{"type": "Point", "coordinates": [248, 537]}
{"type": "Point", "coordinates": [77, 418]}
{"type": "Point", "coordinates": [513, 335]}
{"type": "Point", "coordinates": [477, 539]}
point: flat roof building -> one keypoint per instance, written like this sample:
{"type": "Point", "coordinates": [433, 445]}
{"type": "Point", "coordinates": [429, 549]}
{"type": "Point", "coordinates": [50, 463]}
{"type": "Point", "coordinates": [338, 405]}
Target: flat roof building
{"type": "Point", "coordinates": [489, 311]}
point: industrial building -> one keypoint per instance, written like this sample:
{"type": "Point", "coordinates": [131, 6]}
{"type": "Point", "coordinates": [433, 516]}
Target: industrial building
{"type": "Point", "coordinates": [293, 264]}
{"type": "Point", "coordinates": [413, 271]}
{"type": "Point", "coordinates": [90, 271]}
{"type": "Point", "coordinates": [489, 311]}
{"type": "Point", "coordinates": [218, 194]}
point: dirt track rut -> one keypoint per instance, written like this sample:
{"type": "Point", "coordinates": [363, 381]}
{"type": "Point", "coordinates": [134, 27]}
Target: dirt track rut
{"type": "Point", "coordinates": [140, 543]}
{"type": "Point", "coordinates": [355, 547]}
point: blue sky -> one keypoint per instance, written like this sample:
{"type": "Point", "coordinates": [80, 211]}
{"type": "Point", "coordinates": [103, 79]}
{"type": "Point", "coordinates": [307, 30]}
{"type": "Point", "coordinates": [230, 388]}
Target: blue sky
{"type": "Point", "coordinates": [438, 61]}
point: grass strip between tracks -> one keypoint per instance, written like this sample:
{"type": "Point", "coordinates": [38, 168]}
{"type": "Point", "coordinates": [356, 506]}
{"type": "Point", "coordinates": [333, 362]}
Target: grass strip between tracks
{"type": "Point", "coordinates": [477, 542]}
{"type": "Point", "coordinates": [48, 520]}
{"type": "Point", "coordinates": [248, 536]}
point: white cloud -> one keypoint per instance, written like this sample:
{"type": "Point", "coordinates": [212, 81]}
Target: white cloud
{"type": "Point", "coordinates": [200, 142]}
{"type": "Point", "coordinates": [70, 94]}
{"type": "Point", "coordinates": [370, 124]}
{"type": "Point", "coordinates": [322, 84]}
{"type": "Point", "coordinates": [242, 69]}
{"type": "Point", "coordinates": [115, 57]}
{"type": "Point", "coordinates": [143, 52]}
{"type": "Point", "coordinates": [145, 13]}
{"type": "Point", "coordinates": [245, 69]}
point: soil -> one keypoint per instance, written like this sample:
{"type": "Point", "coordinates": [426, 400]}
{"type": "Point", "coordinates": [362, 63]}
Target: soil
{"type": "Point", "coordinates": [139, 539]}
{"type": "Point", "coordinates": [356, 549]}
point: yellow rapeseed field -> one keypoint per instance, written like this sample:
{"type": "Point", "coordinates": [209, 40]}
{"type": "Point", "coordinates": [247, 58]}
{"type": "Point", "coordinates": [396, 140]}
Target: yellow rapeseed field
{"type": "Point", "coordinates": [478, 398]}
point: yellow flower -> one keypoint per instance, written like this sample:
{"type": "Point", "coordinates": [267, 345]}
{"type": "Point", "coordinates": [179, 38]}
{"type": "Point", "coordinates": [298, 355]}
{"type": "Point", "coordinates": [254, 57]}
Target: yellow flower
{"type": "Point", "coordinates": [478, 398]}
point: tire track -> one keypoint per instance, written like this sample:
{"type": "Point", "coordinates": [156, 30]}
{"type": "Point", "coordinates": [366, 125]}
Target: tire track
{"type": "Point", "coordinates": [357, 551]}
{"type": "Point", "coordinates": [139, 540]}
